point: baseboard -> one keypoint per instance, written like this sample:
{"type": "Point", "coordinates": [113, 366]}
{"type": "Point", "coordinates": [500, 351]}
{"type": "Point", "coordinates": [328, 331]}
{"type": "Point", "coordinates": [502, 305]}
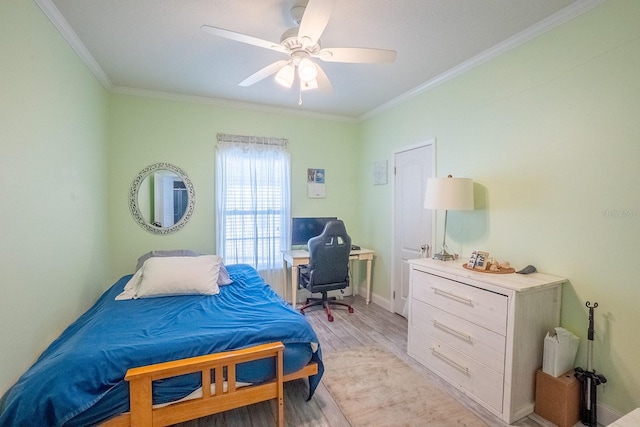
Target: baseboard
{"type": "Point", "coordinates": [607, 415]}
{"type": "Point", "coordinates": [377, 300]}
{"type": "Point", "coordinates": [524, 411]}
{"type": "Point", "coordinates": [382, 302]}
{"type": "Point", "coordinates": [543, 421]}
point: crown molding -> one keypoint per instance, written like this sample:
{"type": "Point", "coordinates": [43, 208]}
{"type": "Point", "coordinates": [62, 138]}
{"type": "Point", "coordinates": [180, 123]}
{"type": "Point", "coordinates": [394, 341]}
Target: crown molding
{"type": "Point", "coordinates": [559, 18]}
{"type": "Point", "coordinates": [568, 13]}
{"type": "Point", "coordinates": [63, 27]}
{"type": "Point", "coordinates": [225, 103]}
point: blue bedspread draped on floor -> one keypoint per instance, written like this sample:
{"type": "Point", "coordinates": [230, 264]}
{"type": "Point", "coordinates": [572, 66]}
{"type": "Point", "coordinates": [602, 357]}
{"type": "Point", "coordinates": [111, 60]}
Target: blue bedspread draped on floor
{"type": "Point", "coordinates": [79, 379]}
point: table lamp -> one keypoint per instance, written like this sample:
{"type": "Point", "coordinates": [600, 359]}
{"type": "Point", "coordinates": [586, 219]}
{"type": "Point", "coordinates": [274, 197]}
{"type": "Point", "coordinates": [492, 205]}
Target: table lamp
{"type": "Point", "coordinates": [449, 194]}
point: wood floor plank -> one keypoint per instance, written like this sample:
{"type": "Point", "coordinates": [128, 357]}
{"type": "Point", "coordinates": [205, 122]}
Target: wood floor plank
{"type": "Point", "coordinates": [369, 324]}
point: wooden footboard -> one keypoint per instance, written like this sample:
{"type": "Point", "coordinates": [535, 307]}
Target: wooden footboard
{"type": "Point", "coordinates": [140, 386]}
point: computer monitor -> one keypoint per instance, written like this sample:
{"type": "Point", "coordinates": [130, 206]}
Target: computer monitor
{"type": "Point", "coordinates": [302, 229]}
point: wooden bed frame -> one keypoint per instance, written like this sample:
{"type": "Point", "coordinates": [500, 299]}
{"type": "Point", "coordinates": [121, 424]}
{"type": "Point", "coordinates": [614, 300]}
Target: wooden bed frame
{"type": "Point", "coordinates": [142, 412]}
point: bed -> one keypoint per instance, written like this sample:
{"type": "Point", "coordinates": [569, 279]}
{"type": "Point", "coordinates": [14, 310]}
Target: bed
{"type": "Point", "coordinates": [80, 378]}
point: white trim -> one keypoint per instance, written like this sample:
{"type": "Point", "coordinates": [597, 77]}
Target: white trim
{"type": "Point", "coordinates": [553, 21]}
{"type": "Point", "coordinates": [564, 15]}
{"type": "Point", "coordinates": [63, 27]}
{"type": "Point", "coordinates": [429, 141]}
{"type": "Point", "coordinates": [219, 102]}
{"type": "Point", "coordinates": [607, 415]}
{"type": "Point", "coordinates": [382, 302]}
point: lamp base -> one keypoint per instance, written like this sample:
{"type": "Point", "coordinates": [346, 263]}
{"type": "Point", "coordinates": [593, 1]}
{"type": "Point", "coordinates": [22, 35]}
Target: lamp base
{"type": "Point", "coordinates": [443, 255]}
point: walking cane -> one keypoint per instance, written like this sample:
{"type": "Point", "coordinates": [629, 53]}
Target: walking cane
{"type": "Point", "coordinates": [589, 379]}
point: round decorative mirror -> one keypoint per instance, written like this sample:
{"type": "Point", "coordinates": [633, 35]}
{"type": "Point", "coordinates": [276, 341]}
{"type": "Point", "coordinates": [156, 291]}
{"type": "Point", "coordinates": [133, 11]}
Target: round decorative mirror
{"type": "Point", "coordinates": [162, 198]}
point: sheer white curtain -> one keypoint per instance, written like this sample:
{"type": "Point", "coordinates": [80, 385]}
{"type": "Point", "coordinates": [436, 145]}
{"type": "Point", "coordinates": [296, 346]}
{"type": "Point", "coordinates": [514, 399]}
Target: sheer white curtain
{"type": "Point", "coordinates": [253, 203]}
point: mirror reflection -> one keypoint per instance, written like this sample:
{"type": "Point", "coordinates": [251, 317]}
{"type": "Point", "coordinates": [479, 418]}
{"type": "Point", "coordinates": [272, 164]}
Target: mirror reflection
{"type": "Point", "coordinates": [161, 198]}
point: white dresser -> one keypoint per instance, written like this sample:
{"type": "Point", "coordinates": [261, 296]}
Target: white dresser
{"type": "Point", "coordinates": [482, 332]}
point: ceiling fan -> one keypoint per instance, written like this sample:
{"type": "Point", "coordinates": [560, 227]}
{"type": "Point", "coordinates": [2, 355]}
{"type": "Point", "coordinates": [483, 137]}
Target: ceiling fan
{"type": "Point", "coordinates": [302, 44]}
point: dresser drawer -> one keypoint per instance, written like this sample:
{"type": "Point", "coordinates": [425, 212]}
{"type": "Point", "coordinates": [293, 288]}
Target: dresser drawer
{"type": "Point", "coordinates": [486, 346]}
{"type": "Point", "coordinates": [479, 306]}
{"type": "Point", "coordinates": [482, 382]}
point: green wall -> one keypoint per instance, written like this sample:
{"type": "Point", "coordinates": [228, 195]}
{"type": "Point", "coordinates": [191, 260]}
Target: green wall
{"type": "Point", "coordinates": [143, 131]}
{"type": "Point", "coordinates": [53, 244]}
{"type": "Point", "coordinates": [550, 134]}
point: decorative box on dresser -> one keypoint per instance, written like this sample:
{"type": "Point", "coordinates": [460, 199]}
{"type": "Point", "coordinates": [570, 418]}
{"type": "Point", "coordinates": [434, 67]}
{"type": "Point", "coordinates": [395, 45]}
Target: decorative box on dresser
{"type": "Point", "coordinates": [482, 332]}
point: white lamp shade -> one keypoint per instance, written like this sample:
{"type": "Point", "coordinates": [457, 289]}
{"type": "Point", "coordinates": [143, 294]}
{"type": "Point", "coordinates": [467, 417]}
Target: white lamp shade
{"type": "Point", "coordinates": [307, 70]}
{"type": "Point", "coordinates": [449, 193]}
{"type": "Point", "coordinates": [285, 76]}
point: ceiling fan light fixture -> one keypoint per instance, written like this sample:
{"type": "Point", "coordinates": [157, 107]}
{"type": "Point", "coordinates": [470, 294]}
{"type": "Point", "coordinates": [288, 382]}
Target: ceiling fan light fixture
{"type": "Point", "coordinates": [311, 84]}
{"type": "Point", "coordinates": [285, 76]}
{"type": "Point", "coordinates": [301, 44]}
{"type": "Point", "coordinates": [307, 70]}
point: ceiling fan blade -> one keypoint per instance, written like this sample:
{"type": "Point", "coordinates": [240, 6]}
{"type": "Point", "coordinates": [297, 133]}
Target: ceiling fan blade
{"type": "Point", "coordinates": [264, 73]}
{"type": "Point", "coordinates": [356, 55]}
{"type": "Point", "coordinates": [323, 81]}
{"type": "Point", "coordinates": [232, 35]}
{"type": "Point", "coordinates": [315, 19]}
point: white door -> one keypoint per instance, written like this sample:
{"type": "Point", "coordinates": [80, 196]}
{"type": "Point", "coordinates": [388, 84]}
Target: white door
{"type": "Point", "coordinates": [412, 222]}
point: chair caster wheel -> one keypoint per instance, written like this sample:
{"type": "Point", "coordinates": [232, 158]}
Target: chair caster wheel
{"type": "Point", "coordinates": [350, 309]}
{"type": "Point", "coordinates": [330, 317]}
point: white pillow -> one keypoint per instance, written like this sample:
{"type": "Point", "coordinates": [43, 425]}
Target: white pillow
{"type": "Point", "coordinates": [223, 276]}
{"type": "Point", "coordinates": [163, 253]}
{"type": "Point", "coordinates": [165, 276]}
{"type": "Point", "coordinates": [130, 288]}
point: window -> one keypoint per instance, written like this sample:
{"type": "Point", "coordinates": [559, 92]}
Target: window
{"type": "Point", "coordinates": [253, 202]}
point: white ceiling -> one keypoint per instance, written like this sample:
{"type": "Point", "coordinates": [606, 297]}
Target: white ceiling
{"type": "Point", "coordinates": [156, 46]}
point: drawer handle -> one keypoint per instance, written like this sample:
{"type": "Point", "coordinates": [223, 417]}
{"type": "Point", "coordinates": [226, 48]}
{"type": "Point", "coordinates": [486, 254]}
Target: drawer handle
{"type": "Point", "coordinates": [452, 295]}
{"type": "Point", "coordinates": [449, 329]}
{"type": "Point", "coordinates": [449, 361]}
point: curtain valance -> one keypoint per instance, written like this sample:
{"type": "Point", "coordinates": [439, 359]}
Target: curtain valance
{"type": "Point", "coordinates": [257, 140]}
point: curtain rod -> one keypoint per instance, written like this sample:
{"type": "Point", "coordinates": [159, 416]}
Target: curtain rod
{"type": "Point", "coordinates": [280, 142]}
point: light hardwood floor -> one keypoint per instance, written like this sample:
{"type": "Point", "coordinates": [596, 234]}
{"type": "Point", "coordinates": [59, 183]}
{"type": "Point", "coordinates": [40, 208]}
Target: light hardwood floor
{"type": "Point", "coordinates": [369, 324]}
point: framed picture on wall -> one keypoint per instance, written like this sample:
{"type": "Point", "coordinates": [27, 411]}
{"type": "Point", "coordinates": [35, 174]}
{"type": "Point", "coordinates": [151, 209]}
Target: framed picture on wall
{"type": "Point", "coordinates": [380, 172]}
{"type": "Point", "coordinates": [316, 183]}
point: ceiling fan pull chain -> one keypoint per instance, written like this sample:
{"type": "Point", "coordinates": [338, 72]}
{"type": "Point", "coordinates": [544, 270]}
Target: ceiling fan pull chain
{"type": "Point", "coordinates": [300, 95]}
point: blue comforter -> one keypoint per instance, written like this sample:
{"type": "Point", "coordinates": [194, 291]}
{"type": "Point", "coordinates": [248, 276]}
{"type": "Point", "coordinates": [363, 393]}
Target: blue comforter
{"type": "Point", "coordinates": [79, 379]}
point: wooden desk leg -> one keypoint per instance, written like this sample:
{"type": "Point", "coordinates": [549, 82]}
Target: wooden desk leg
{"type": "Point", "coordinates": [368, 281]}
{"type": "Point", "coordinates": [355, 288]}
{"type": "Point", "coordinates": [285, 282]}
{"type": "Point", "coordinates": [294, 285]}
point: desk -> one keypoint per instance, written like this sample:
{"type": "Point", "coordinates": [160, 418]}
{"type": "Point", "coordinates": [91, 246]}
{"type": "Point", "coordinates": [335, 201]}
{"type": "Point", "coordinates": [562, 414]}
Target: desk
{"type": "Point", "coordinates": [297, 257]}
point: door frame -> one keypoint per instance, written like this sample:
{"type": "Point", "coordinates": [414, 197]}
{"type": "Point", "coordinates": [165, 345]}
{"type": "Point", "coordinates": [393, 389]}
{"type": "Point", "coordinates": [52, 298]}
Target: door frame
{"type": "Point", "coordinates": [425, 143]}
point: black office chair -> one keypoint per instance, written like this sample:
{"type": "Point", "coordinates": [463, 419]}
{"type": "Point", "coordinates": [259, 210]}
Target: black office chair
{"type": "Point", "coordinates": [328, 267]}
